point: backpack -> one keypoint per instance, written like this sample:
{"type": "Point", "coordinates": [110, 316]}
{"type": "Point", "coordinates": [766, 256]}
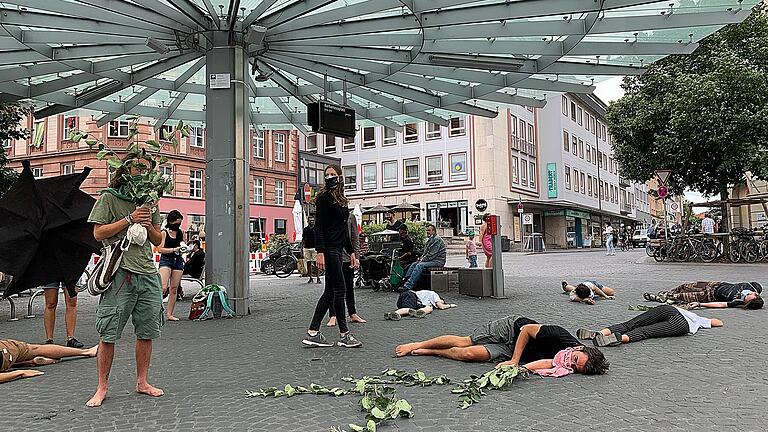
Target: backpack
{"type": "Point", "coordinates": [210, 302]}
{"type": "Point", "coordinates": [102, 275]}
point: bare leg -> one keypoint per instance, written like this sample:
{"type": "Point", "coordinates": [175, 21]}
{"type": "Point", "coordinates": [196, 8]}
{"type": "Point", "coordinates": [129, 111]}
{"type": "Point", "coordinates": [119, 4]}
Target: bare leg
{"type": "Point", "coordinates": [104, 365]}
{"type": "Point", "coordinates": [49, 314]}
{"type": "Point", "coordinates": [476, 353]}
{"type": "Point", "coordinates": [608, 290]}
{"type": "Point", "coordinates": [57, 351]}
{"type": "Point", "coordinates": [440, 342]}
{"type": "Point", "coordinates": [70, 316]}
{"type": "Point", "coordinates": [568, 287]}
{"type": "Point", "coordinates": [143, 355]}
{"type": "Point", "coordinates": [165, 278]}
{"type": "Point", "coordinates": [173, 290]}
{"type": "Point", "coordinates": [332, 322]}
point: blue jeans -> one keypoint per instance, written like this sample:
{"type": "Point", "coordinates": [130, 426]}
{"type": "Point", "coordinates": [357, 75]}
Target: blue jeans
{"type": "Point", "coordinates": [414, 272]}
{"type": "Point", "coordinates": [609, 244]}
{"type": "Point", "coordinates": [472, 261]}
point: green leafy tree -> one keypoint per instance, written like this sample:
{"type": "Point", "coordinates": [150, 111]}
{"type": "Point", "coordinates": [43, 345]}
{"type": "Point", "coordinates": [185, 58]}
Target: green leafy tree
{"type": "Point", "coordinates": [11, 116]}
{"type": "Point", "coordinates": [704, 116]}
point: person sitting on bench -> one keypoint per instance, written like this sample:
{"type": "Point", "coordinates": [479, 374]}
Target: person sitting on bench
{"type": "Point", "coordinates": [17, 353]}
{"type": "Point", "coordinates": [659, 322]}
{"type": "Point", "coordinates": [417, 304]}
{"type": "Point", "coordinates": [587, 291]}
{"type": "Point", "coordinates": [513, 340]}
{"type": "Point", "coordinates": [713, 294]}
{"type": "Point", "coordinates": [195, 261]}
{"type": "Point", "coordinates": [433, 256]}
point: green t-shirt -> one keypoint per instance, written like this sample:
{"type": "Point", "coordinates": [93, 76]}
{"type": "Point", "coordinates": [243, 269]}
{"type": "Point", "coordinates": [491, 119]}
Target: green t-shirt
{"type": "Point", "coordinates": [109, 209]}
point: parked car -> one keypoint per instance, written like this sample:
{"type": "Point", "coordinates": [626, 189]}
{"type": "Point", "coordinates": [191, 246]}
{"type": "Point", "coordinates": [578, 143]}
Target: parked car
{"type": "Point", "coordinates": [640, 238]}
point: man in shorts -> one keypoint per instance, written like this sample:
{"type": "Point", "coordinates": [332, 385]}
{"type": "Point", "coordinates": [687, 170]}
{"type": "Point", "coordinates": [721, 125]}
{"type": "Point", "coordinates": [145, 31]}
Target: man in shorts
{"type": "Point", "coordinates": [417, 304]}
{"type": "Point", "coordinates": [308, 249]}
{"type": "Point", "coordinates": [588, 291]}
{"type": "Point", "coordinates": [511, 341]}
{"type": "Point", "coordinates": [17, 353]}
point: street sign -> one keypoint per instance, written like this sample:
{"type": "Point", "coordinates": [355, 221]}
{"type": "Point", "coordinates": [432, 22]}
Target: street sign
{"type": "Point", "coordinates": [520, 208]}
{"type": "Point", "coordinates": [481, 205]}
{"type": "Point", "coordinates": [663, 191]}
{"type": "Point", "coordinates": [663, 175]}
{"type": "Point", "coordinates": [674, 207]}
{"type": "Point", "coordinates": [527, 218]}
{"type": "Point", "coordinates": [307, 192]}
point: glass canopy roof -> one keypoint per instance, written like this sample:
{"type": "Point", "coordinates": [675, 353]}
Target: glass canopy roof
{"type": "Point", "coordinates": [399, 60]}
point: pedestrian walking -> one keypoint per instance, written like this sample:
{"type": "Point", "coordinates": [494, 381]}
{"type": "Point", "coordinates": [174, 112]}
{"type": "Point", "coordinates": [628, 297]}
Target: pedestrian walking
{"type": "Point", "coordinates": [487, 242]}
{"type": "Point", "coordinates": [471, 250]}
{"type": "Point", "coordinates": [331, 240]}
{"type": "Point", "coordinates": [51, 294]}
{"type": "Point", "coordinates": [308, 249]}
{"type": "Point", "coordinates": [351, 263]}
{"type": "Point", "coordinates": [608, 233]}
{"type": "Point", "coordinates": [171, 262]}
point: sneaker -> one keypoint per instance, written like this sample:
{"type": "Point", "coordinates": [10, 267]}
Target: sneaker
{"type": "Point", "coordinates": [612, 340]}
{"type": "Point", "coordinates": [317, 340]}
{"type": "Point", "coordinates": [583, 333]}
{"type": "Point", "coordinates": [349, 341]}
{"type": "Point", "coordinates": [417, 313]}
{"type": "Point", "coordinates": [564, 284]}
{"type": "Point", "coordinates": [165, 299]}
{"type": "Point", "coordinates": [74, 343]}
{"type": "Point", "coordinates": [49, 342]}
{"type": "Point", "coordinates": [393, 316]}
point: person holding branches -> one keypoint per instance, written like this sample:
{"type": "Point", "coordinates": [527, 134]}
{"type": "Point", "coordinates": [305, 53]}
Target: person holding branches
{"type": "Point", "coordinates": [332, 239]}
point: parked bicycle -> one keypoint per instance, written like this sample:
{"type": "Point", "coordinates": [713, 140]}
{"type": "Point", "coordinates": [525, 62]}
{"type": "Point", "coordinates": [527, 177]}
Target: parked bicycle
{"type": "Point", "coordinates": [744, 246]}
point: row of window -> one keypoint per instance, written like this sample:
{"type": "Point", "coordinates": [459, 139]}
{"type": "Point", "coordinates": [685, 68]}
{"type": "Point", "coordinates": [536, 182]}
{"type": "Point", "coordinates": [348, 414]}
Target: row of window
{"type": "Point", "coordinates": [259, 227]}
{"type": "Point", "coordinates": [457, 171]}
{"type": "Point", "coordinates": [278, 140]}
{"type": "Point", "coordinates": [523, 172]}
{"type": "Point", "coordinates": [584, 118]}
{"type": "Point", "coordinates": [258, 191]}
{"type": "Point", "coordinates": [588, 185]}
{"type": "Point", "coordinates": [521, 135]}
{"type": "Point", "coordinates": [574, 144]}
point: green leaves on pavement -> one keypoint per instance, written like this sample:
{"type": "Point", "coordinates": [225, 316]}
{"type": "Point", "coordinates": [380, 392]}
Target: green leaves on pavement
{"type": "Point", "coordinates": [471, 390]}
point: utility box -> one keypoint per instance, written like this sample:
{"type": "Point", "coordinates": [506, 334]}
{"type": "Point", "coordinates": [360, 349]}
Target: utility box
{"type": "Point", "coordinates": [476, 282]}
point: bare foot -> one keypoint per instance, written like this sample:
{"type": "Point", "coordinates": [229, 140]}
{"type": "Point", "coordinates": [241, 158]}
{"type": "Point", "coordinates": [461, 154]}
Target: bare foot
{"type": "Point", "coordinates": [405, 349]}
{"type": "Point", "coordinates": [40, 360]}
{"type": "Point", "coordinates": [418, 352]}
{"type": "Point", "coordinates": [149, 390]}
{"type": "Point", "coordinates": [331, 322]}
{"type": "Point", "coordinates": [97, 398]}
{"type": "Point", "coordinates": [172, 318]}
{"type": "Point", "coordinates": [357, 319]}
{"type": "Point", "coordinates": [92, 351]}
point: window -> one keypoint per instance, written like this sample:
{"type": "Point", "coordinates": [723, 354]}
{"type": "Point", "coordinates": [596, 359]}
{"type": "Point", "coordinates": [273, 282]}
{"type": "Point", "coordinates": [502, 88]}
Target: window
{"type": "Point", "coordinates": [575, 145]}
{"type": "Point", "coordinates": [515, 170]}
{"type": "Point", "coordinates": [38, 138]}
{"type": "Point", "coordinates": [411, 171]}
{"type": "Point", "coordinates": [37, 172]}
{"type": "Point", "coordinates": [258, 226]}
{"type": "Point", "coordinates": [166, 133]}
{"type": "Point", "coordinates": [586, 120]}
{"type": "Point", "coordinates": [605, 160]}
{"type": "Point", "coordinates": [589, 185]}
{"type": "Point", "coordinates": [197, 136]}
{"type": "Point", "coordinates": [280, 147]}
{"type": "Point", "coordinates": [433, 131]}
{"type": "Point", "coordinates": [311, 142]}
{"type": "Point", "coordinates": [330, 144]}
{"type": "Point", "coordinates": [532, 174]}
{"type": "Point", "coordinates": [576, 180]}
{"type": "Point", "coordinates": [167, 172]}
{"type": "Point", "coordinates": [530, 133]}
{"type": "Point", "coordinates": [258, 144]}
{"type": "Point", "coordinates": [594, 186]}
{"type": "Point", "coordinates": [583, 186]}
{"type": "Point", "coordinates": [566, 142]}
{"type": "Point", "coordinates": [605, 134]}
{"type": "Point", "coordinates": [573, 111]}
{"type": "Point", "coordinates": [70, 126]}
{"type": "Point", "coordinates": [457, 127]}
{"type": "Point", "coordinates": [458, 167]}
{"type": "Point", "coordinates": [369, 176]}
{"type": "Point", "coordinates": [513, 133]}
{"type": "Point", "coordinates": [196, 183]}
{"type": "Point", "coordinates": [390, 137]}
{"type": "Point", "coordinates": [280, 226]}
{"type": "Point", "coordinates": [581, 148]}
{"type": "Point", "coordinates": [349, 144]}
{"type": "Point", "coordinates": [434, 169]}
{"type": "Point", "coordinates": [280, 192]}
{"type": "Point", "coordinates": [411, 132]}
{"type": "Point", "coordinates": [258, 190]}
{"type": "Point", "coordinates": [118, 129]}
{"type": "Point", "coordinates": [568, 177]}
{"type": "Point", "coordinates": [592, 125]}
{"type": "Point", "coordinates": [350, 177]}
{"type": "Point", "coordinates": [521, 132]}
{"type": "Point", "coordinates": [565, 106]}
{"type": "Point", "coordinates": [580, 116]}
{"type": "Point", "coordinates": [594, 156]}
{"type": "Point", "coordinates": [600, 158]}
{"type": "Point", "coordinates": [67, 168]}
{"type": "Point", "coordinates": [369, 137]}
{"type": "Point", "coordinates": [523, 172]}
{"type": "Point", "coordinates": [389, 169]}
{"type": "Point", "coordinates": [7, 143]}
{"type": "Point", "coordinates": [589, 153]}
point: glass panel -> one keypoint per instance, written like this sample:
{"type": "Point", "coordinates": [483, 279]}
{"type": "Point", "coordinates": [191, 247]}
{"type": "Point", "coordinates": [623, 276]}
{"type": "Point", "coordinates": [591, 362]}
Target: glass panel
{"type": "Point", "coordinates": [458, 167]}
{"type": "Point", "coordinates": [390, 173]}
{"type": "Point", "coordinates": [411, 171]}
{"type": "Point", "coordinates": [350, 178]}
{"type": "Point", "coordinates": [434, 169]}
{"type": "Point", "coordinates": [369, 176]}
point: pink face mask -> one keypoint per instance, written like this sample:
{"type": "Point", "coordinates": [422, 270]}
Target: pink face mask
{"type": "Point", "coordinates": [562, 365]}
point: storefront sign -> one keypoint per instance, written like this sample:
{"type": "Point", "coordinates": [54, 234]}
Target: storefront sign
{"type": "Point", "coordinates": [527, 218]}
{"type": "Point", "coordinates": [481, 205]}
{"type": "Point", "coordinates": [443, 205]}
{"type": "Point", "coordinates": [463, 204]}
{"type": "Point", "coordinates": [553, 213]}
{"type": "Point", "coordinates": [552, 180]}
{"type": "Point", "coordinates": [432, 206]}
{"type": "Point", "coordinates": [453, 204]}
{"type": "Point", "coordinates": [577, 214]}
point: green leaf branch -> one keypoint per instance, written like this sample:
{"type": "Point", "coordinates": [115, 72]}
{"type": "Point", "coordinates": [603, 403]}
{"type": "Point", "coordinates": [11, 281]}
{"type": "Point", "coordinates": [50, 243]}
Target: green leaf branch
{"type": "Point", "coordinates": [473, 389]}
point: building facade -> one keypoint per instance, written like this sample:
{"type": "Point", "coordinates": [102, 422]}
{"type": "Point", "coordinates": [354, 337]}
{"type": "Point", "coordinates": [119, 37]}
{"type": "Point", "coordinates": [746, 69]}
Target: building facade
{"type": "Point", "coordinates": [273, 166]}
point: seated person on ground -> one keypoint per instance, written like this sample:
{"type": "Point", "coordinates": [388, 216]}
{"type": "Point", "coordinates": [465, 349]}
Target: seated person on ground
{"type": "Point", "coordinates": [513, 340]}
{"type": "Point", "coordinates": [713, 294]}
{"type": "Point", "coordinates": [587, 291]}
{"type": "Point", "coordinates": [17, 353]}
{"type": "Point", "coordinates": [433, 256]}
{"type": "Point", "coordinates": [661, 321]}
{"type": "Point", "coordinates": [417, 304]}
{"type": "Point", "coordinates": [195, 261]}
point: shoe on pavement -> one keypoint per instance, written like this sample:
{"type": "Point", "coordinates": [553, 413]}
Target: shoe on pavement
{"type": "Point", "coordinates": [417, 313]}
{"type": "Point", "coordinates": [393, 316]}
{"type": "Point", "coordinates": [74, 343]}
{"type": "Point", "coordinates": [612, 340]}
{"type": "Point", "coordinates": [317, 340]}
{"type": "Point", "coordinates": [583, 333]}
{"type": "Point", "coordinates": [49, 342]}
{"type": "Point", "coordinates": [349, 341]}
{"type": "Point", "coordinates": [564, 284]}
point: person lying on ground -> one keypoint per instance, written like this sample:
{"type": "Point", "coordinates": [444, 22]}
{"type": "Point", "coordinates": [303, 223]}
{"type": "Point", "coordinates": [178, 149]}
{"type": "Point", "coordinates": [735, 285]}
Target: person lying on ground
{"type": "Point", "coordinates": [659, 322]}
{"type": "Point", "coordinates": [417, 304]}
{"type": "Point", "coordinates": [513, 340]}
{"type": "Point", "coordinates": [587, 291]}
{"type": "Point", "coordinates": [713, 294]}
{"type": "Point", "coordinates": [16, 353]}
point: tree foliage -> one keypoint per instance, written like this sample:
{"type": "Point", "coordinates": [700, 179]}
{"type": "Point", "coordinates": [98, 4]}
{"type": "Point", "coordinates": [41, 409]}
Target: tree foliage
{"type": "Point", "coordinates": [11, 116]}
{"type": "Point", "coordinates": [704, 116]}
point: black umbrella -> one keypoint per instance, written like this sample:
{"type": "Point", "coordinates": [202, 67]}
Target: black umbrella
{"type": "Point", "coordinates": [44, 233]}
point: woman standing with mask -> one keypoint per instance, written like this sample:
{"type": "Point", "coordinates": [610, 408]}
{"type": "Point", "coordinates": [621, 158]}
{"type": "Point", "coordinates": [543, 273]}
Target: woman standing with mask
{"type": "Point", "coordinates": [331, 240]}
{"type": "Point", "coordinates": [171, 263]}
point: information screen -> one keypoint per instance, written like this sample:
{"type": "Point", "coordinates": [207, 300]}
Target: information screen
{"type": "Point", "coordinates": [331, 119]}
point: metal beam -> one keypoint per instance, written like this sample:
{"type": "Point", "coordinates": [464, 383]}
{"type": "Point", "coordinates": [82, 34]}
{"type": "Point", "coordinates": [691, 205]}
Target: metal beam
{"type": "Point", "coordinates": [128, 105]}
{"type": "Point", "coordinates": [76, 37]}
{"type": "Point", "coordinates": [257, 12]}
{"type": "Point", "coordinates": [573, 68]}
{"type": "Point", "coordinates": [168, 11]}
{"type": "Point", "coordinates": [212, 12]}
{"type": "Point", "coordinates": [142, 13]}
{"type": "Point", "coordinates": [337, 15]}
{"type": "Point", "coordinates": [86, 52]}
{"type": "Point", "coordinates": [292, 11]}
{"type": "Point", "coordinates": [174, 105]}
{"type": "Point", "coordinates": [191, 10]}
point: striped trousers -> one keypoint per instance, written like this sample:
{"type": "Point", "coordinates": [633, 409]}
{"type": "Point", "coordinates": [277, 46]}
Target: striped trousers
{"type": "Point", "coordinates": [661, 321]}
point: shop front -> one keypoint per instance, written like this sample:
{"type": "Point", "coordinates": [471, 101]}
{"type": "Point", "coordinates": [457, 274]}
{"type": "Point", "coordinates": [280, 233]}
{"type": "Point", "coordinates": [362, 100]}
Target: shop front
{"type": "Point", "coordinates": [450, 217]}
{"type": "Point", "coordinates": [570, 228]}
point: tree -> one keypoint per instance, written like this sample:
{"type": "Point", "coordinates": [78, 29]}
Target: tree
{"type": "Point", "coordinates": [704, 116]}
{"type": "Point", "coordinates": [11, 116]}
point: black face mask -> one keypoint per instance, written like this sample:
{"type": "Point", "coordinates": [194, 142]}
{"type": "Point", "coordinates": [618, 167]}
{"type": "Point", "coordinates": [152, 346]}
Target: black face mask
{"type": "Point", "coordinates": [173, 226]}
{"type": "Point", "coordinates": [331, 182]}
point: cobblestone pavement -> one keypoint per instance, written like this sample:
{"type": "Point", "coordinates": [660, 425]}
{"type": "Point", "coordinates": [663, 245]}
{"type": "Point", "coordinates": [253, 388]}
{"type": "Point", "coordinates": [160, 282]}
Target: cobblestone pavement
{"type": "Point", "coordinates": [691, 383]}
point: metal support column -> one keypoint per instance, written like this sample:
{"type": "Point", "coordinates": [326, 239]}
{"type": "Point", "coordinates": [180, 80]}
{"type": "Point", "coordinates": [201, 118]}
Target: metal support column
{"type": "Point", "coordinates": [227, 172]}
{"type": "Point", "coordinates": [498, 268]}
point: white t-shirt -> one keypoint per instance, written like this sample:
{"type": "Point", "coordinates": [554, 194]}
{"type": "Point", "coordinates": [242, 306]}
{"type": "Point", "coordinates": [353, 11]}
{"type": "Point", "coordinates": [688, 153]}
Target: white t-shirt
{"type": "Point", "coordinates": [708, 226]}
{"type": "Point", "coordinates": [695, 322]}
{"type": "Point", "coordinates": [427, 297]}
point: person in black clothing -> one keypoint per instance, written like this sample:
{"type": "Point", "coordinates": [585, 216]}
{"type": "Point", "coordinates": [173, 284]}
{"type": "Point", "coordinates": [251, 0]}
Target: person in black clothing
{"type": "Point", "coordinates": [713, 294]}
{"type": "Point", "coordinates": [392, 223]}
{"type": "Point", "coordinates": [171, 263]}
{"type": "Point", "coordinates": [349, 266]}
{"type": "Point", "coordinates": [195, 261]}
{"type": "Point", "coordinates": [512, 340]}
{"type": "Point", "coordinates": [406, 248]}
{"type": "Point", "coordinates": [308, 249]}
{"type": "Point", "coordinates": [331, 240]}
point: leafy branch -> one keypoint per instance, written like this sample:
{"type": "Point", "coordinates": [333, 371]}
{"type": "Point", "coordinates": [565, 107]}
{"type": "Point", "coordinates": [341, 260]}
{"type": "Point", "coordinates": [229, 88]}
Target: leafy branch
{"type": "Point", "coordinates": [471, 390]}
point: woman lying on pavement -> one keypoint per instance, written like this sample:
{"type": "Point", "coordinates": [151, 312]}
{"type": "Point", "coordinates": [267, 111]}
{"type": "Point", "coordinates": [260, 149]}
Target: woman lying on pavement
{"type": "Point", "coordinates": [16, 353]}
{"type": "Point", "coordinates": [659, 322]}
{"type": "Point", "coordinates": [587, 291]}
{"type": "Point", "coordinates": [514, 340]}
{"type": "Point", "coordinates": [713, 294]}
{"type": "Point", "coordinates": [417, 304]}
